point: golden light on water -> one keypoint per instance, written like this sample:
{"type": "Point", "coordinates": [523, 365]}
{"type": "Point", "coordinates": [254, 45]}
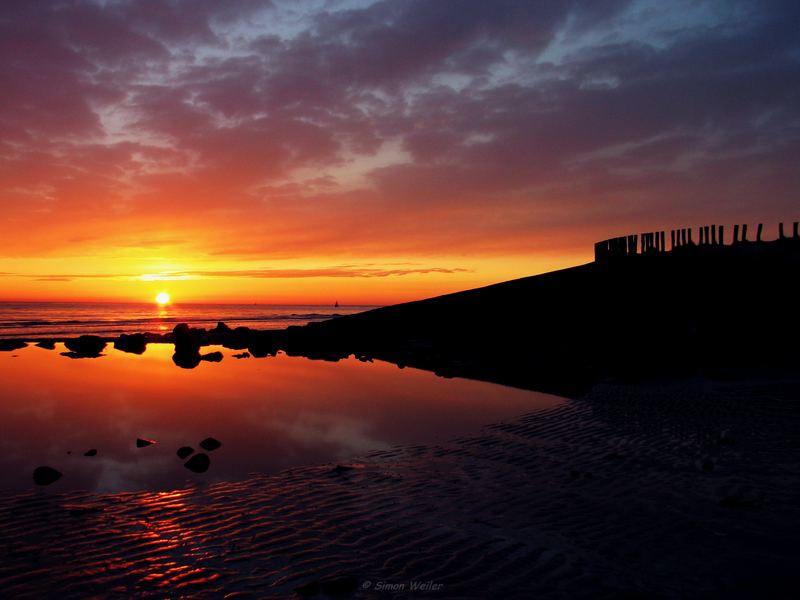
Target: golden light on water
{"type": "Point", "coordinates": [162, 299]}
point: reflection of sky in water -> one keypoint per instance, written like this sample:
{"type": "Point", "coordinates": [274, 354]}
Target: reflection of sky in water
{"type": "Point", "coordinates": [270, 414]}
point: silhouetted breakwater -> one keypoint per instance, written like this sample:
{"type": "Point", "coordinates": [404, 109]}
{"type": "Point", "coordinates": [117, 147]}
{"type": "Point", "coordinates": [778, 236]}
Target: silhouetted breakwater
{"type": "Point", "coordinates": [708, 236]}
{"type": "Point", "coordinates": [702, 307]}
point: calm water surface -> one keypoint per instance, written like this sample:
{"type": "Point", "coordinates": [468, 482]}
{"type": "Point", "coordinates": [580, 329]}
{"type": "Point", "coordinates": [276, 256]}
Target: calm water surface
{"type": "Point", "coordinates": [270, 414]}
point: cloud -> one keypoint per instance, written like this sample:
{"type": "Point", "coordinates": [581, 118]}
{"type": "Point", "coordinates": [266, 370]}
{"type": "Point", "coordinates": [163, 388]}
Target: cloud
{"type": "Point", "coordinates": [261, 130]}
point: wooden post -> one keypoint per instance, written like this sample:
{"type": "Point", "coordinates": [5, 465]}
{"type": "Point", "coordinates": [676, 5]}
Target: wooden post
{"type": "Point", "coordinates": [721, 235]}
{"type": "Point", "coordinates": [780, 231]}
{"type": "Point", "coordinates": [714, 234]}
{"type": "Point", "coordinates": [761, 229]}
{"type": "Point", "coordinates": [735, 234]}
{"type": "Point", "coordinates": [672, 239]}
{"type": "Point", "coordinates": [663, 241]}
{"type": "Point", "coordinates": [744, 232]}
{"type": "Point", "coordinates": [707, 235]}
{"type": "Point", "coordinates": [689, 237]}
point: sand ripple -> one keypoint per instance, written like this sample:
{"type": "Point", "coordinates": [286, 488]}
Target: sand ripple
{"type": "Point", "coordinates": [685, 491]}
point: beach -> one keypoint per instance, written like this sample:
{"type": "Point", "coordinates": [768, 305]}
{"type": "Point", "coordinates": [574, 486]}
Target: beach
{"type": "Point", "coordinates": [682, 489]}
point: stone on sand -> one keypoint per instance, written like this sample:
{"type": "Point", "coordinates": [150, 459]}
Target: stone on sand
{"type": "Point", "coordinates": [45, 475]}
{"type": "Point", "coordinates": [199, 463]}
{"type": "Point", "coordinates": [210, 444]}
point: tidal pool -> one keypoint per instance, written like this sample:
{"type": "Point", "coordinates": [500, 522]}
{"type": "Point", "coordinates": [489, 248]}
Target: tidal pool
{"type": "Point", "coordinates": [270, 414]}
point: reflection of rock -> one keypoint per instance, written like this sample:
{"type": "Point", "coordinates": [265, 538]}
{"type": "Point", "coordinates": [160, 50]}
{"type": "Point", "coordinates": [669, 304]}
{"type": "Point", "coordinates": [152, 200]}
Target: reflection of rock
{"type": "Point", "coordinates": [187, 346]}
{"type": "Point", "coordinates": [85, 346]}
{"type": "Point", "coordinates": [10, 345]}
{"type": "Point", "coordinates": [135, 343]}
{"type": "Point", "coordinates": [45, 475]}
{"type": "Point", "coordinates": [184, 451]}
{"type": "Point", "coordinates": [210, 444]}
{"type": "Point", "coordinates": [264, 343]}
{"type": "Point", "coordinates": [237, 339]}
{"type": "Point", "coordinates": [242, 355]}
{"type": "Point", "coordinates": [46, 344]}
{"type": "Point", "coordinates": [186, 360]}
{"type": "Point", "coordinates": [212, 357]}
{"type": "Point", "coordinates": [199, 463]}
{"type": "Point", "coordinates": [141, 442]}
{"type": "Point", "coordinates": [92, 452]}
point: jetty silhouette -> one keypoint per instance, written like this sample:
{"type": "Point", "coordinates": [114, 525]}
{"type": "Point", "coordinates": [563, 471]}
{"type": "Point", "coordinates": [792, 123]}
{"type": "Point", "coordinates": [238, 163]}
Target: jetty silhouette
{"type": "Point", "coordinates": [640, 310]}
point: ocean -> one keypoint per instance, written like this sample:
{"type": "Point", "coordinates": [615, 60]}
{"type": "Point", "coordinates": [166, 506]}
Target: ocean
{"type": "Point", "coordinates": [65, 319]}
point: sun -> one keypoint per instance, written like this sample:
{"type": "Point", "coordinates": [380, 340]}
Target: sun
{"type": "Point", "coordinates": [162, 298]}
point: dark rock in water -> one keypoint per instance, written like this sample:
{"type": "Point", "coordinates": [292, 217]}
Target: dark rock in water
{"type": "Point", "coordinates": [339, 585]}
{"type": "Point", "coordinates": [185, 451]}
{"type": "Point", "coordinates": [264, 343]}
{"type": "Point", "coordinates": [92, 452]}
{"type": "Point", "coordinates": [242, 355]}
{"type": "Point", "coordinates": [135, 343]}
{"type": "Point", "coordinates": [85, 346]}
{"type": "Point", "coordinates": [46, 344]}
{"type": "Point", "coordinates": [339, 469]}
{"type": "Point", "coordinates": [10, 345]}
{"type": "Point", "coordinates": [237, 339]}
{"type": "Point", "coordinates": [45, 475]}
{"type": "Point", "coordinates": [187, 339]}
{"type": "Point", "coordinates": [186, 360]}
{"type": "Point", "coordinates": [199, 463]}
{"type": "Point", "coordinates": [212, 357]}
{"type": "Point", "coordinates": [210, 444]}
{"type": "Point", "coordinates": [222, 327]}
{"type": "Point", "coordinates": [142, 443]}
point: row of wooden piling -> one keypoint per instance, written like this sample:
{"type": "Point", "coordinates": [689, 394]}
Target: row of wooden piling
{"type": "Point", "coordinates": [655, 241]}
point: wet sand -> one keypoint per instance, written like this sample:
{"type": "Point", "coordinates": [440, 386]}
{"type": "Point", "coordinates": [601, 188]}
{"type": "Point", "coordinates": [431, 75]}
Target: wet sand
{"type": "Point", "coordinates": [687, 489]}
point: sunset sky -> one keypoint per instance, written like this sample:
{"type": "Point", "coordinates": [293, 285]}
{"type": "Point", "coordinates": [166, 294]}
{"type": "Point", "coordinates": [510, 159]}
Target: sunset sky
{"type": "Point", "coordinates": [375, 152]}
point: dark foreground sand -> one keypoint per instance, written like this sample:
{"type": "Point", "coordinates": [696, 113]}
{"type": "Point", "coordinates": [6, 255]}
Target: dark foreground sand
{"type": "Point", "coordinates": [681, 490]}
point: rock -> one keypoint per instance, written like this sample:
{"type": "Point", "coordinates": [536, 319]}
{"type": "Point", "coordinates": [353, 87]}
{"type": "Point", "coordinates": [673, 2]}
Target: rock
{"type": "Point", "coordinates": [187, 340]}
{"type": "Point", "coordinates": [92, 452]}
{"type": "Point", "coordinates": [46, 344]}
{"type": "Point", "coordinates": [143, 443]}
{"type": "Point", "coordinates": [238, 339]}
{"type": "Point", "coordinates": [210, 444]}
{"type": "Point", "coordinates": [45, 475]}
{"type": "Point", "coordinates": [222, 328]}
{"type": "Point", "coordinates": [212, 357]}
{"type": "Point", "coordinates": [85, 346]}
{"type": "Point", "coordinates": [11, 345]}
{"type": "Point", "coordinates": [135, 343]}
{"type": "Point", "coordinates": [339, 469]}
{"type": "Point", "coordinates": [184, 451]}
{"type": "Point", "coordinates": [199, 463]}
{"type": "Point", "coordinates": [242, 355]}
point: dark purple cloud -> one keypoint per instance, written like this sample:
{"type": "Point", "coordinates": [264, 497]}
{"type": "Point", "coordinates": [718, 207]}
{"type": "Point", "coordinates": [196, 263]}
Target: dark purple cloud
{"type": "Point", "coordinates": [394, 126]}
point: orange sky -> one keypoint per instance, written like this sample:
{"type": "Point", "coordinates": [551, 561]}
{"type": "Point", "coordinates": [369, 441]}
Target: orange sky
{"type": "Point", "coordinates": [375, 152]}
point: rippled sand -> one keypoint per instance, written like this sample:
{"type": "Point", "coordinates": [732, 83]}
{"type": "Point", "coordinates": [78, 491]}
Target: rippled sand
{"type": "Point", "coordinates": [679, 491]}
